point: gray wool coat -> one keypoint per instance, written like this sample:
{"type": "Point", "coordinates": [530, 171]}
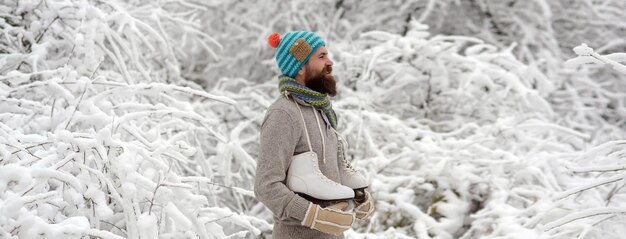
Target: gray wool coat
{"type": "Point", "coordinates": [282, 136]}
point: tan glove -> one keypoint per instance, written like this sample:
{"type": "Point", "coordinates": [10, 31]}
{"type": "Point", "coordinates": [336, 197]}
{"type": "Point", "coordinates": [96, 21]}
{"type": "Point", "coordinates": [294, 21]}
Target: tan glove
{"type": "Point", "coordinates": [331, 219]}
{"type": "Point", "coordinates": [364, 208]}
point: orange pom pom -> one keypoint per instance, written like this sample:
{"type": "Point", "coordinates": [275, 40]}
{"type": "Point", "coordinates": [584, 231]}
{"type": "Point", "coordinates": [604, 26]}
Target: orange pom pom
{"type": "Point", "coordinates": [273, 40]}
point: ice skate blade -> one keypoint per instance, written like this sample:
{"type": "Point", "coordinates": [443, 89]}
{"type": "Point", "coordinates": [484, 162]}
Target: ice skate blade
{"type": "Point", "coordinates": [323, 203]}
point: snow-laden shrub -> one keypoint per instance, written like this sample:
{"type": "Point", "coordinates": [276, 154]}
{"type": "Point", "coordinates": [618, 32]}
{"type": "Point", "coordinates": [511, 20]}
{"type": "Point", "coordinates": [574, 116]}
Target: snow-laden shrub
{"type": "Point", "coordinates": [104, 133]}
{"type": "Point", "coordinates": [598, 97]}
{"type": "Point", "coordinates": [100, 134]}
{"type": "Point", "coordinates": [460, 141]}
{"type": "Point", "coordinates": [443, 78]}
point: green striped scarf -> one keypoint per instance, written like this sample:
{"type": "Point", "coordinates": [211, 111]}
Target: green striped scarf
{"type": "Point", "coordinates": [318, 100]}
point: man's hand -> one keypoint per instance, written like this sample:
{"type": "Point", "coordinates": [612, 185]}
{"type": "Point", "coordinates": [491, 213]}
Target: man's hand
{"type": "Point", "coordinates": [332, 219]}
{"type": "Point", "coordinates": [364, 208]}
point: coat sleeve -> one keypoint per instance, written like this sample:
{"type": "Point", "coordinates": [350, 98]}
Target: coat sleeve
{"type": "Point", "coordinates": [277, 144]}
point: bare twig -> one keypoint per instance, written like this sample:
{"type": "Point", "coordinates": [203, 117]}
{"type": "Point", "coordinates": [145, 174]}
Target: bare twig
{"type": "Point", "coordinates": [121, 230]}
{"type": "Point", "coordinates": [159, 183]}
{"type": "Point", "coordinates": [22, 149]}
{"type": "Point", "coordinates": [82, 95]}
{"type": "Point", "coordinates": [215, 220]}
{"type": "Point", "coordinates": [37, 39]}
{"type": "Point", "coordinates": [612, 193]}
{"type": "Point", "coordinates": [583, 214]}
{"type": "Point", "coordinates": [597, 183]}
{"type": "Point", "coordinates": [600, 168]}
{"type": "Point", "coordinates": [154, 194]}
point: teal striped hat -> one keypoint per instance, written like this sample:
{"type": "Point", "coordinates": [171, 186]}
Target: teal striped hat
{"type": "Point", "coordinates": [294, 49]}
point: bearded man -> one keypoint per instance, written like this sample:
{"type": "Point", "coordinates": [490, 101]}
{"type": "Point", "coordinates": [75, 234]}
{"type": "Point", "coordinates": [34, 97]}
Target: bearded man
{"type": "Point", "coordinates": [292, 130]}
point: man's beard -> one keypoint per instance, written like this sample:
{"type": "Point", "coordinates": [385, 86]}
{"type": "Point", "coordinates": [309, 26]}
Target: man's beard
{"type": "Point", "coordinates": [322, 82]}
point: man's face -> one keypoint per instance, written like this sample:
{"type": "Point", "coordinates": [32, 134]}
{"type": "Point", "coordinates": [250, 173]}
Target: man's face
{"type": "Point", "coordinates": [318, 71]}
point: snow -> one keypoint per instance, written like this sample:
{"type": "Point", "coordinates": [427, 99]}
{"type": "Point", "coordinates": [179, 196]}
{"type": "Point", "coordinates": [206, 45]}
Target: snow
{"type": "Point", "coordinates": [583, 49]}
{"type": "Point", "coordinates": [14, 177]}
{"type": "Point", "coordinates": [141, 120]}
{"type": "Point", "coordinates": [148, 227]}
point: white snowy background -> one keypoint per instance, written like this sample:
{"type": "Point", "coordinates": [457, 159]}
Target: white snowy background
{"type": "Point", "coordinates": [471, 118]}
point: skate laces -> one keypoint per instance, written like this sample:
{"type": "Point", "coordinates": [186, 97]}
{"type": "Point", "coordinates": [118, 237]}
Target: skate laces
{"type": "Point", "coordinates": [346, 164]}
{"type": "Point", "coordinates": [320, 174]}
{"type": "Point", "coordinates": [349, 167]}
{"type": "Point", "coordinates": [324, 178]}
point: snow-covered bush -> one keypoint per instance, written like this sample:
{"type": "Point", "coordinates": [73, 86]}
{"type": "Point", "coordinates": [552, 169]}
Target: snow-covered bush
{"type": "Point", "coordinates": [461, 141]}
{"type": "Point", "coordinates": [140, 119]}
{"type": "Point", "coordinates": [101, 135]}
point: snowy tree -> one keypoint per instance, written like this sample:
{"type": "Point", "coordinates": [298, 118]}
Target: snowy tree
{"type": "Point", "coordinates": [102, 136]}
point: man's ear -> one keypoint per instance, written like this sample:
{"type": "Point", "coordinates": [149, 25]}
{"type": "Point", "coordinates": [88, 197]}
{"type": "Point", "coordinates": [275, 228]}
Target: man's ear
{"type": "Point", "coordinates": [302, 71]}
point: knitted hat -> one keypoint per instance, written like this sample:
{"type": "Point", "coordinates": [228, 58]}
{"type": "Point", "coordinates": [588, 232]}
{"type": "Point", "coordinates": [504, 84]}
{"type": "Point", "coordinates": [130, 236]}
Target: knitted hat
{"type": "Point", "coordinates": [294, 50]}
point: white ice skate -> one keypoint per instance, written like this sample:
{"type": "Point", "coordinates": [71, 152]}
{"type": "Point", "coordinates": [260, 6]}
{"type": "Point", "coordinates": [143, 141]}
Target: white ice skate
{"type": "Point", "coordinates": [350, 177]}
{"type": "Point", "coordinates": [305, 177]}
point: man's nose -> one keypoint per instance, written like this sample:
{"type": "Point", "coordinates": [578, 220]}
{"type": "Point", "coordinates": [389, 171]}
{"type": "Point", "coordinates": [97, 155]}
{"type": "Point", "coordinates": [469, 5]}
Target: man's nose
{"type": "Point", "coordinates": [329, 62]}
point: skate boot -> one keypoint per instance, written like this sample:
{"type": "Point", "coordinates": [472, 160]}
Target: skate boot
{"type": "Point", "coordinates": [305, 178]}
{"type": "Point", "coordinates": [349, 176]}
